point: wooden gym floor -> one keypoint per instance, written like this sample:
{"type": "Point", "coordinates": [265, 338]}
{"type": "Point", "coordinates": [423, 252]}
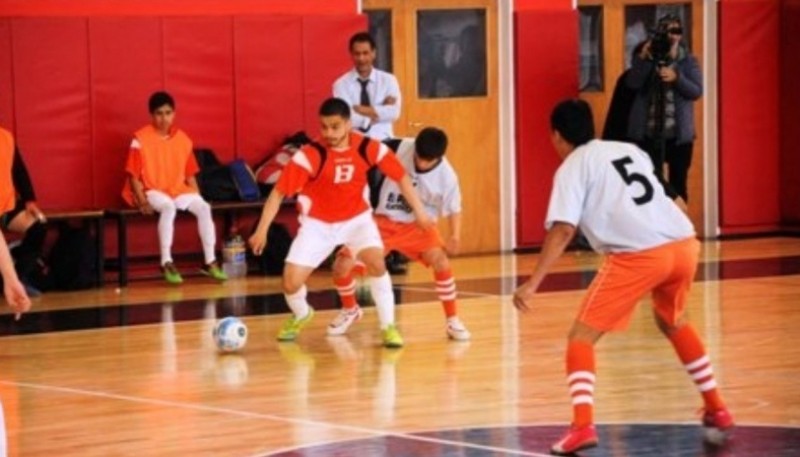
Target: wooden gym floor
{"type": "Point", "coordinates": [135, 372]}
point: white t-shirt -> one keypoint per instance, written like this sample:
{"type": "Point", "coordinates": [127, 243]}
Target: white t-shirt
{"type": "Point", "coordinates": [610, 191]}
{"type": "Point", "coordinates": [437, 188]}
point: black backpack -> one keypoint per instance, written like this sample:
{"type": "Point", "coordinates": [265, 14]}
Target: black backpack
{"type": "Point", "coordinates": [72, 259]}
{"type": "Point", "coordinates": [214, 179]}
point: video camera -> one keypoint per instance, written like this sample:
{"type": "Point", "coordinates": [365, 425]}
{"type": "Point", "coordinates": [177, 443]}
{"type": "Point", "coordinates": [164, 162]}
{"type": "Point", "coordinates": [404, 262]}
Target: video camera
{"type": "Point", "coordinates": [660, 47]}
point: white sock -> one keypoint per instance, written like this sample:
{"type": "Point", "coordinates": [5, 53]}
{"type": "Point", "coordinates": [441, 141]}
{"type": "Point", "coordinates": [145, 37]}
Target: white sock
{"type": "Point", "coordinates": [382, 294]}
{"type": "Point", "coordinates": [297, 302]}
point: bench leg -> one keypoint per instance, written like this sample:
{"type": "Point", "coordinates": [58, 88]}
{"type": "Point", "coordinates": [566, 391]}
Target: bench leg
{"type": "Point", "coordinates": [122, 250]}
{"type": "Point", "coordinates": [99, 234]}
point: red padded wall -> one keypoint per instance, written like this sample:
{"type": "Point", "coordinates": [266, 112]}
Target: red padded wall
{"type": "Point", "coordinates": [268, 59]}
{"type": "Point", "coordinates": [325, 63]}
{"type": "Point", "coordinates": [40, 8]}
{"type": "Point", "coordinates": [119, 91]}
{"type": "Point", "coordinates": [748, 113]}
{"type": "Point", "coordinates": [790, 113]}
{"type": "Point", "coordinates": [6, 77]}
{"type": "Point", "coordinates": [51, 99]}
{"type": "Point", "coordinates": [198, 71]}
{"type": "Point", "coordinates": [546, 72]}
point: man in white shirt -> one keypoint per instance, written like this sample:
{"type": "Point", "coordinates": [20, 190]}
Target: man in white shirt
{"type": "Point", "coordinates": [373, 95]}
{"type": "Point", "coordinates": [611, 192]}
{"type": "Point", "coordinates": [436, 183]}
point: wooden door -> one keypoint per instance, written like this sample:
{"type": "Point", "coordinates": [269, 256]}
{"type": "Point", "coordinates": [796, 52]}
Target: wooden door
{"type": "Point", "coordinates": [445, 57]}
{"type": "Point", "coordinates": [615, 34]}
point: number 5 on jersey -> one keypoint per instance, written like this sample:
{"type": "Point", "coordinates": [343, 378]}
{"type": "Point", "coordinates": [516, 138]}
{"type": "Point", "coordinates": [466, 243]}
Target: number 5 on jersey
{"type": "Point", "coordinates": [630, 178]}
{"type": "Point", "coordinates": [343, 173]}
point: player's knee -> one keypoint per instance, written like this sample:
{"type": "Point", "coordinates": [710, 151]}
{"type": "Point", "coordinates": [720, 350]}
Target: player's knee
{"type": "Point", "coordinates": [375, 267]}
{"type": "Point", "coordinates": [668, 328]}
{"type": "Point", "coordinates": [291, 285]}
{"type": "Point", "coordinates": [200, 208]}
{"type": "Point", "coordinates": [341, 267]}
{"type": "Point", "coordinates": [440, 262]}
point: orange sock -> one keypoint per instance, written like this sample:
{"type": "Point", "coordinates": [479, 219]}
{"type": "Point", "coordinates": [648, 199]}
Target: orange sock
{"type": "Point", "coordinates": [693, 355]}
{"type": "Point", "coordinates": [581, 378]}
{"type": "Point", "coordinates": [346, 287]}
{"type": "Point", "coordinates": [446, 289]}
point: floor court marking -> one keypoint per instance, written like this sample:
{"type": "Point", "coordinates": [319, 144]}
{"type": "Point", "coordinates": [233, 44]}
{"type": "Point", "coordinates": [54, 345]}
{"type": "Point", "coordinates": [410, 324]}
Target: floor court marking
{"type": "Point", "coordinates": [252, 415]}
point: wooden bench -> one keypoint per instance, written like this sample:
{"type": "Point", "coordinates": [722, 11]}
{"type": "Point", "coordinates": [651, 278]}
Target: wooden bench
{"type": "Point", "coordinates": [227, 209]}
{"type": "Point", "coordinates": [94, 219]}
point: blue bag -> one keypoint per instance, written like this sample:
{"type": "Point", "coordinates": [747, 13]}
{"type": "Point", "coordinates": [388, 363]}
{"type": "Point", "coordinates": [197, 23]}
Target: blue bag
{"type": "Point", "coordinates": [245, 181]}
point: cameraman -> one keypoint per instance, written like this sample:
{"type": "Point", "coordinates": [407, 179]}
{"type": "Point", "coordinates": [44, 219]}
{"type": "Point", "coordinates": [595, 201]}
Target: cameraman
{"type": "Point", "coordinates": [667, 81]}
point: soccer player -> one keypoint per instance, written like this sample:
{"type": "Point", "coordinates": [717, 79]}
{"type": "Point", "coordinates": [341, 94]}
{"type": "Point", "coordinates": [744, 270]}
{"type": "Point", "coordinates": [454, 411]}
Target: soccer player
{"type": "Point", "coordinates": [13, 289]}
{"type": "Point", "coordinates": [610, 191]}
{"type": "Point", "coordinates": [331, 180]}
{"type": "Point", "coordinates": [161, 168]}
{"type": "Point", "coordinates": [437, 185]}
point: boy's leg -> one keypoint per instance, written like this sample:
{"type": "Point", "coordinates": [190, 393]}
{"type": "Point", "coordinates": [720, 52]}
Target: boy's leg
{"type": "Point", "coordinates": [195, 204]}
{"type": "Point", "coordinates": [164, 205]}
{"type": "Point", "coordinates": [309, 249]}
{"type": "Point", "coordinates": [669, 300]}
{"type": "Point", "coordinates": [346, 288]}
{"type": "Point", "coordinates": [580, 365]}
{"type": "Point", "coordinates": [446, 290]}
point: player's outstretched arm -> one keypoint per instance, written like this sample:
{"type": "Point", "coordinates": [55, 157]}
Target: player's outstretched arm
{"type": "Point", "coordinates": [556, 241]}
{"type": "Point", "coordinates": [258, 240]}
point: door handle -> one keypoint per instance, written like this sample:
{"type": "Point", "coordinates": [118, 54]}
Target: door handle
{"type": "Point", "coordinates": [415, 125]}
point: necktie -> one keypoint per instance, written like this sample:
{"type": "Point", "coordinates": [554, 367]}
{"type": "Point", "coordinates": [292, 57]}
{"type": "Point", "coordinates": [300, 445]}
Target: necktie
{"type": "Point", "coordinates": [364, 94]}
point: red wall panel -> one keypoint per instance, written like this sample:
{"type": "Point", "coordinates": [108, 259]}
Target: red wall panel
{"type": "Point", "coordinates": [173, 7]}
{"type": "Point", "coordinates": [528, 5]}
{"type": "Point", "coordinates": [790, 113]}
{"type": "Point", "coordinates": [198, 72]}
{"type": "Point", "coordinates": [323, 64]}
{"type": "Point", "coordinates": [268, 59]}
{"type": "Point", "coordinates": [748, 113]}
{"type": "Point", "coordinates": [6, 79]}
{"type": "Point", "coordinates": [546, 72]}
{"type": "Point", "coordinates": [120, 88]}
{"type": "Point", "coordinates": [51, 99]}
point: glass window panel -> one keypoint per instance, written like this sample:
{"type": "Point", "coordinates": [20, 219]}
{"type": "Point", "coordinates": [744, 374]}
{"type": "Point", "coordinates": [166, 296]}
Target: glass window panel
{"type": "Point", "coordinates": [591, 48]}
{"type": "Point", "coordinates": [380, 27]}
{"type": "Point", "coordinates": [641, 20]}
{"type": "Point", "coordinates": [451, 53]}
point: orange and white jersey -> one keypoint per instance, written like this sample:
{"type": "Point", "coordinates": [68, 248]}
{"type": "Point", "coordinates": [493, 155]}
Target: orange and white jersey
{"type": "Point", "coordinates": [437, 188]}
{"type": "Point", "coordinates": [610, 191]}
{"type": "Point", "coordinates": [161, 163]}
{"type": "Point", "coordinates": [333, 187]}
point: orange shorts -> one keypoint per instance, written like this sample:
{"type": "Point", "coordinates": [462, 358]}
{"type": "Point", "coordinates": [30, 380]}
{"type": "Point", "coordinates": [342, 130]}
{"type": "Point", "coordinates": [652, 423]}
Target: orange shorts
{"type": "Point", "coordinates": [407, 239]}
{"type": "Point", "coordinates": [624, 278]}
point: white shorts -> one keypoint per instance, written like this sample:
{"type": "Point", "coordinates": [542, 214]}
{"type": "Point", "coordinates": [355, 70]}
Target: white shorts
{"type": "Point", "coordinates": [317, 239]}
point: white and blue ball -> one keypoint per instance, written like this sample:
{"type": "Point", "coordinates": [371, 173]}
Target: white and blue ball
{"type": "Point", "coordinates": [230, 334]}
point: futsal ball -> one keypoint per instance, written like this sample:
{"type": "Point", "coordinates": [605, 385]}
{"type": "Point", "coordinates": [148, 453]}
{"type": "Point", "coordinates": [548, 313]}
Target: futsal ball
{"type": "Point", "coordinates": [230, 334]}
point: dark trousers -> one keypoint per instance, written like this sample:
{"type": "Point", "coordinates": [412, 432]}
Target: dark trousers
{"type": "Point", "coordinates": [679, 159]}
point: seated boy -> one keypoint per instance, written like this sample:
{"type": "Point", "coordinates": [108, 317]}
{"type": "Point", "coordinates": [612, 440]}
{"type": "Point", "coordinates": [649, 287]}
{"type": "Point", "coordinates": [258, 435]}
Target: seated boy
{"type": "Point", "coordinates": [161, 168]}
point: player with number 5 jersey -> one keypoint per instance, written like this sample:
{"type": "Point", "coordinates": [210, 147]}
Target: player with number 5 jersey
{"type": "Point", "coordinates": [330, 180]}
{"type": "Point", "coordinates": [611, 192]}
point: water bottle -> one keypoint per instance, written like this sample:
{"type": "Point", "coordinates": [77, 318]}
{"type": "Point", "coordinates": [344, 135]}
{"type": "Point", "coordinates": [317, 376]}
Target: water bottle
{"type": "Point", "coordinates": [234, 257]}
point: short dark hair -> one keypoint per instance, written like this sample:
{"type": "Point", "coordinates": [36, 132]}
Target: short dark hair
{"type": "Point", "coordinates": [362, 37]}
{"type": "Point", "coordinates": [431, 143]}
{"type": "Point", "coordinates": [573, 120]}
{"type": "Point", "coordinates": [159, 99]}
{"type": "Point", "coordinates": [335, 107]}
